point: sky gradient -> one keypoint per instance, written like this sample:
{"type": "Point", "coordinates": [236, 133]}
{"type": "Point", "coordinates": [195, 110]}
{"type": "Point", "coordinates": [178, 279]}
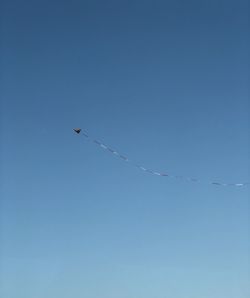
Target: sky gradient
{"type": "Point", "coordinates": [164, 82]}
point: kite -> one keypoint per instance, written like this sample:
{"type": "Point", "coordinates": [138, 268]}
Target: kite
{"type": "Point", "coordinates": [152, 172]}
{"type": "Point", "coordinates": [77, 130]}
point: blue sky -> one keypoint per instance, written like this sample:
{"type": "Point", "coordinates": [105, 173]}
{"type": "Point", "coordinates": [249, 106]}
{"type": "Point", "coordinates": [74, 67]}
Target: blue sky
{"type": "Point", "coordinates": [164, 82]}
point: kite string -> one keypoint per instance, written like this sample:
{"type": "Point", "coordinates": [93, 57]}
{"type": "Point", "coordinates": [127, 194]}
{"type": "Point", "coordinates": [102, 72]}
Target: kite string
{"type": "Point", "coordinates": [152, 172]}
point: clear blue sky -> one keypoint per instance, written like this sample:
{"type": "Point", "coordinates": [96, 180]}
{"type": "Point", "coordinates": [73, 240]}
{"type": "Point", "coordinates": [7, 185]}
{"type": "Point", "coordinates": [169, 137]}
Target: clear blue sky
{"type": "Point", "coordinates": [164, 82]}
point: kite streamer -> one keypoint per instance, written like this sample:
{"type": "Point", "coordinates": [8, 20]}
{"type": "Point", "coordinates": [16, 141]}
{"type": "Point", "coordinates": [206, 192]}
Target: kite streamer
{"type": "Point", "coordinates": [144, 169]}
